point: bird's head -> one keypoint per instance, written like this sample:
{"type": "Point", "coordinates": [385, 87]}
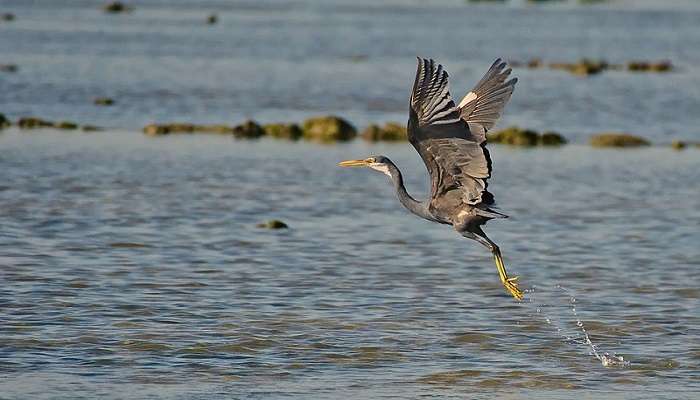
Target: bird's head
{"type": "Point", "coordinates": [377, 163]}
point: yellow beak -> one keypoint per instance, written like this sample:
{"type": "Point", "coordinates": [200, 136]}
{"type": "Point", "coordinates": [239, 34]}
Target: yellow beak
{"type": "Point", "coordinates": [354, 163]}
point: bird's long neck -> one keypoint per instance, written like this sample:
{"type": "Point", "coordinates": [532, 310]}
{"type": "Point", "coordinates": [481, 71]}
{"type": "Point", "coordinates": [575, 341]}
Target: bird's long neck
{"type": "Point", "coordinates": [416, 207]}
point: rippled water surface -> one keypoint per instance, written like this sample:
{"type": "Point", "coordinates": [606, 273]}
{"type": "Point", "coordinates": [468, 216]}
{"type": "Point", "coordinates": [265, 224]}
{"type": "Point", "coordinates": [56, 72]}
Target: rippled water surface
{"type": "Point", "coordinates": [132, 267]}
{"type": "Point", "coordinates": [286, 60]}
{"type": "Point", "coordinates": [132, 263]}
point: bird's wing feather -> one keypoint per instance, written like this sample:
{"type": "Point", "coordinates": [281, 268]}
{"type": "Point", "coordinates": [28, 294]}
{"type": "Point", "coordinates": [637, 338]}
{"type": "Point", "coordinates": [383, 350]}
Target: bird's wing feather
{"type": "Point", "coordinates": [483, 105]}
{"type": "Point", "coordinates": [452, 148]}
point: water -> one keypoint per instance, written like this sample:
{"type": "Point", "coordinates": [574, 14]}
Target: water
{"type": "Point", "coordinates": [134, 261]}
{"type": "Point", "coordinates": [287, 60]}
{"type": "Point", "coordinates": [132, 266]}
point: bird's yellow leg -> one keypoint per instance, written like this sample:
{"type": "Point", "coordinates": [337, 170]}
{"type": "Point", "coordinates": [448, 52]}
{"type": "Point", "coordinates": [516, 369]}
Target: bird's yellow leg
{"type": "Point", "coordinates": [510, 283]}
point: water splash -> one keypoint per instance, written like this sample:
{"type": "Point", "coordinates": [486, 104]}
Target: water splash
{"type": "Point", "coordinates": [580, 337]}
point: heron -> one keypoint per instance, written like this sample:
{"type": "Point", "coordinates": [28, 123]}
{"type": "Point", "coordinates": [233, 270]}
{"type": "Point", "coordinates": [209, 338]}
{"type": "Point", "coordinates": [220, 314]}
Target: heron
{"type": "Point", "coordinates": [451, 140]}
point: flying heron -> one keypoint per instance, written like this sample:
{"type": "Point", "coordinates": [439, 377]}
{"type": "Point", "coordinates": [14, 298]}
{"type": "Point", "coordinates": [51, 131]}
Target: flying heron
{"type": "Point", "coordinates": [451, 140]}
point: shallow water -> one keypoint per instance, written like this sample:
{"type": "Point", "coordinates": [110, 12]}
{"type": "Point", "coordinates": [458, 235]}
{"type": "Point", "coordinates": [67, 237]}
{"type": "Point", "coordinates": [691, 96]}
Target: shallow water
{"type": "Point", "coordinates": [286, 60]}
{"type": "Point", "coordinates": [133, 263]}
{"type": "Point", "coordinates": [132, 267]}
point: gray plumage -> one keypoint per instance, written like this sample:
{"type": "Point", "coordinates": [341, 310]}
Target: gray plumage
{"type": "Point", "coordinates": [451, 140]}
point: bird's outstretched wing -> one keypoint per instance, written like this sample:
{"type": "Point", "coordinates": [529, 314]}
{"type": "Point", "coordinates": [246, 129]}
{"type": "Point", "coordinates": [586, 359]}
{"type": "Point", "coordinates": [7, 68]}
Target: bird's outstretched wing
{"type": "Point", "coordinates": [483, 105]}
{"type": "Point", "coordinates": [451, 144]}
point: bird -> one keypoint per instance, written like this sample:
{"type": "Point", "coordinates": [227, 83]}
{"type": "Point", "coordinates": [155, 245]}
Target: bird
{"type": "Point", "coordinates": [451, 139]}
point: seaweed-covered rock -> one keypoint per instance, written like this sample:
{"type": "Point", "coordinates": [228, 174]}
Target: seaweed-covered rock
{"type": "Point", "coordinates": [647, 66]}
{"type": "Point", "coordinates": [551, 139]}
{"type": "Point", "coordinates": [9, 68]}
{"type": "Point", "coordinates": [4, 122]}
{"type": "Point", "coordinates": [281, 130]}
{"type": "Point", "coordinates": [165, 129]}
{"type": "Point", "coordinates": [328, 128]}
{"type": "Point", "coordinates": [212, 19]}
{"type": "Point", "coordinates": [514, 136]}
{"type": "Point", "coordinates": [90, 128]}
{"type": "Point", "coordinates": [68, 125]}
{"type": "Point", "coordinates": [249, 129]}
{"type": "Point", "coordinates": [583, 67]}
{"type": "Point", "coordinates": [33, 123]}
{"type": "Point", "coordinates": [391, 131]}
{"type": "Point", "coordinates": [372, 132]}
{"type": "Point", "coordinates": [116, 7]}
{"type": "Point", "coordinates": [678, 145]}
{"type": "Point", "coordinates": [155, 130]}
{"type": "Point", "coordinates": [7, 17]}
{"type": "Point", "coordinates": [534, 63]}
{"type": "Point", "coordinates": [273, 224]}
{"type": "Point", "coordinates": [223, 129]}
{"type": "Point", "coordinates": [618, 140]}
{"type": "Point", "coordinates": [103, 101]}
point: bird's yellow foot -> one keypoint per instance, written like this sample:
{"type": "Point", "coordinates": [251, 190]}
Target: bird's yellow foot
{"type": "Point", "coordinates": [510, 284]}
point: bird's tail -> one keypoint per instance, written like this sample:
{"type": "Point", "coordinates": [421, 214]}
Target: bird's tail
{"type": "Point", "coordinates": [489, 213]}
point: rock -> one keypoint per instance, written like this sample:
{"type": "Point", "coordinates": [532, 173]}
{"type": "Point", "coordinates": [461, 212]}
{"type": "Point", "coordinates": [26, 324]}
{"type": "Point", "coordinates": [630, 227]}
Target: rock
{"type": "Point", "coordinates": [328, 129]}
{"type": "Point", "coordinates": [618, 140]}
{"type": "Point", "coordinates": [33, 123]}
{"type": "Point", "coordinates": [551, 139]}
{"type": "Point", "coordinates": [7, 17]}
{"type": "Point", "coordinates": [116, 7]}
{"type": "Point", "coordinates": [678, 145]}
{"type": "Point", "coordinates": [4, 122]}
{"type": "Point", "coordinates": [214, 129]}
{"type": "Point", "coordinates": [391, 131]}
{"type": "Point", "coordinates": [646, 66]}
{"type": "Point", "coordinates": [8, 67]}
{"type": "Point", "coordinates": [165, 129]}
{"type": "Point", "coordinates": [534, 63]}
{"type": "Point", "coordinates": [103, 101]}
{"type": "Point", "coordinates": [91, 128]}
{"type": "Point", "coordinates": [372, 132]}
{"type": "Point", "coordinates": [249, 129]}
{"type": "Point", "coordinates": [273, 224]}
{"type": "Point", "coordinates": [514, 136]}
{"type": "Point", "coordinates": [280, 130]}
{"type": "Point", "coordinates": [68, 125]}
{"type": "Point", "coordinates": [181, 128]}
{"type": "Point", "coordinates": [212, 19]}
{"type": "Point", "coordinates": [583, 67]}
{"type": "Point", "coordinates": [155, 130]}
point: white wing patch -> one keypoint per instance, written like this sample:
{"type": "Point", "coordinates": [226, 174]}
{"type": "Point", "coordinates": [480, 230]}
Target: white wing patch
{"type": "Point", "coordinates": [467, 99]}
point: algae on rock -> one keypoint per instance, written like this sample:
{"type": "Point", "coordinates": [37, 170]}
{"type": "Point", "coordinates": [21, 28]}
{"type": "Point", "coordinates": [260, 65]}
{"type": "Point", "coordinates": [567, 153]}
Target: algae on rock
{"type": "Point", "coordinates": [612, 139]}
{"type": "Point", "coordinates": [328, 128]}
{"type": "Point", "coordinates": [282, 130]}
{"type": "Point", "coordinates": [391, 131]}
{"type": "Point", "coordinates": [249, 129]}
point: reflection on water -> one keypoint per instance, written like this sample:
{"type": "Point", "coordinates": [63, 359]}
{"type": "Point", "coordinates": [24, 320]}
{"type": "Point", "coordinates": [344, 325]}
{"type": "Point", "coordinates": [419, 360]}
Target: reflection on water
{"type": "Point", "coordinates": [154, 273]}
